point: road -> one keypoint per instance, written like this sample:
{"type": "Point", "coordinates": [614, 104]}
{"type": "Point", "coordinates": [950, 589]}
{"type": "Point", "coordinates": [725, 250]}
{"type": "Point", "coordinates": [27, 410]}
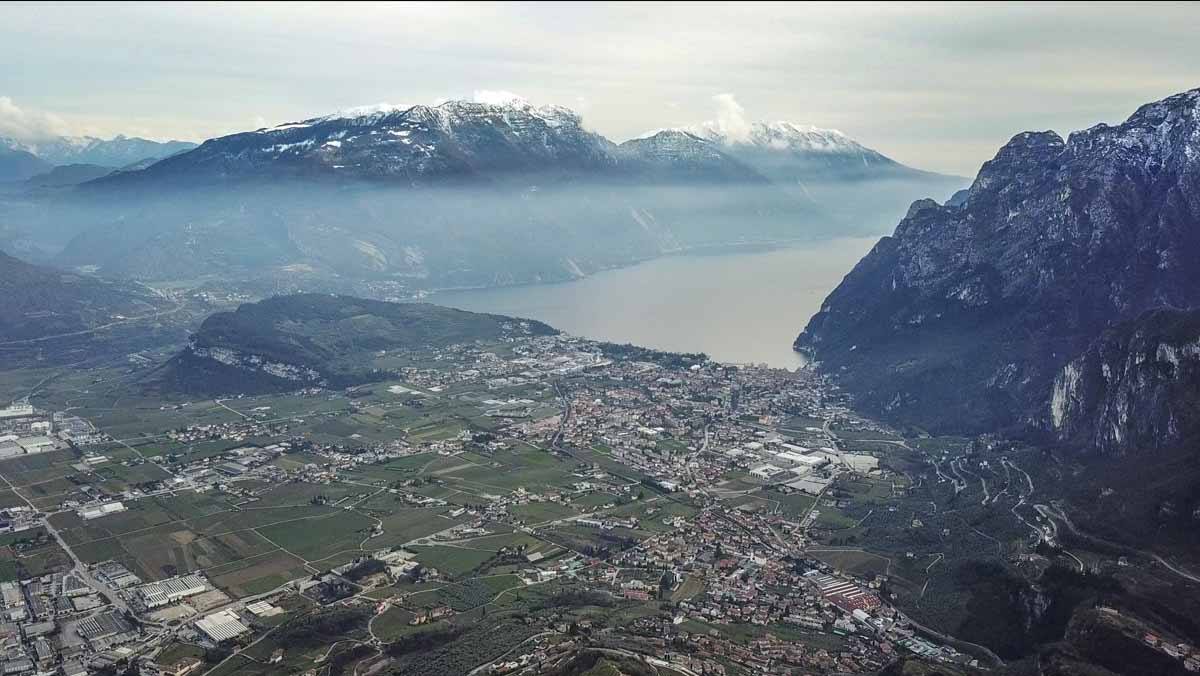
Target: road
{"type": "Point", "coordinates": [986, 494]}
{"type": "Point", "coordinates": [489, 663]}
{"type": "Point", "coordinates": [127, 320]}
{"type": "Point", "coordinates": [78, 566]}
{"type": "Point", "coordinates": [1059, 513]}
{"type": "Point", "coordinates": [1052, 535]}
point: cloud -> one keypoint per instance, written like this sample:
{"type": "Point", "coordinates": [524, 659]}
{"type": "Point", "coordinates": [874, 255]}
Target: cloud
{"type": "Point", "coordinates": [28, 125]}
{"type": "Point", "coordinates": [731, 119]}
{"type": "Point", "coordinates": [496, 97]}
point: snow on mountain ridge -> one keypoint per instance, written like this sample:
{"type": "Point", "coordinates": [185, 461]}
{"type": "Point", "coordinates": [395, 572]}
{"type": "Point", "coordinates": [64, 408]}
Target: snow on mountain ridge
{"type": "Point", "coordinates": [778, 135]}
{"type": "Point", "coordinates": [783, 135]}
{"type": "Point", "coordinates": [371, 110]}
{"type": "Point", "coordinates": [553, 115]}
{"type": "Point", "coordinates": [117, 151]}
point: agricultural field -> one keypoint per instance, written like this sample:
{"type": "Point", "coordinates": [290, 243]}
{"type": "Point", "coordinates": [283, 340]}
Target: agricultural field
{"type": "Point", "coordinates": [320, 537]}
{"type": "Point", "coordinates": [258, 574]}
{"type": "Point", "coordinates": [465, 595]}
{"type": "Point", "coordinates": [452, 561]}
{"type": "Point", "coordinates": [30, 553]}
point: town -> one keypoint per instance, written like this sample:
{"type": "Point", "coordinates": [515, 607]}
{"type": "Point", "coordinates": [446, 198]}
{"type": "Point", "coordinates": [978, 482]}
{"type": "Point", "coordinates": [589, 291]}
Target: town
{"type": "Point", "coordinates": [554, 494]}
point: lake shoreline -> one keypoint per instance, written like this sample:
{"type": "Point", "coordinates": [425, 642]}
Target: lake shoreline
{"type": "Point", "coordinates": [739, 307]}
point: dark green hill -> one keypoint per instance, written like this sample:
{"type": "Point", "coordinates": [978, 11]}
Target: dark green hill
{"type": "Point", "coordinates": [38, 302]}
{"type": "Point", "coordinates": [304, 340]}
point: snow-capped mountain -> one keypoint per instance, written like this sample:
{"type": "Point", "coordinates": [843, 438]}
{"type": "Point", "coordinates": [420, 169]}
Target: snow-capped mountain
{"type": "Point", "coordinates": [784, 135]}
{"type": "Point", "coordinates": [852, 182]}
{"type": "Point", "coordinates": [674, 153]}
{"type": "Point", "coordinates": [116, 152]}
{"type": "Point", "coordinates": [407, 145]}
{"type": "Point", "coordinates": [811, 152]}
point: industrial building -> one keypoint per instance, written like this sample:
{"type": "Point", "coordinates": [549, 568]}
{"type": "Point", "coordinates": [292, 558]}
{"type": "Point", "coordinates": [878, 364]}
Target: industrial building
{"type": "Point", "coordinates": [794, 459]}
{"type": "Point", "coordinates": [765, 472]}
{"type": "Point", "coordinates": [17, 410]}
{"type": "Point", "coordinates": [97, 511]}
{"type": "Point", "coordinates": [157, 594]}
{"type": "Point", "coordinates": [846, 594]}
{"type": "Point", "coordinates": [222, 626]}
{"type": "Point", "coordinates": [38, 444]}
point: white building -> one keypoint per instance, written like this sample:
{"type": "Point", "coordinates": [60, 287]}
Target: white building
{"type": "Point", "coordinates": [39, 444]}
{"type": "Point", "coordinates": [97, 511]}
{"type": "Point", "coordinates": [794, 459]}
{"type": "Point", "coordinates": [222, 626]}
{"type": "Point", "coordinates": [765, 472]}
{"type": "Point", "coordinates": [17, 410]}
{"type": "Point", "coordinates": [158, 594]}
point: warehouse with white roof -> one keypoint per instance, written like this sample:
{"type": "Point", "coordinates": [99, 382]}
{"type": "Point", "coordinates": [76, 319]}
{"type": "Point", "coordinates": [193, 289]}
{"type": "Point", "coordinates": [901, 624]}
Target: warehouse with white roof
{"type": "Point", "coordinates": [222, 626]}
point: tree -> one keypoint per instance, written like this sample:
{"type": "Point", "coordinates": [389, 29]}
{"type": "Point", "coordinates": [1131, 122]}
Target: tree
{"type": "Point", "coordinates": [665, 584]}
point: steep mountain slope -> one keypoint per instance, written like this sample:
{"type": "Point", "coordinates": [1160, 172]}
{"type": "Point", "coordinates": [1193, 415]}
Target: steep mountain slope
{"type": "Point", "coordinates": [678, 155]}
{"type": "Point", "coordinates": [802, 152]}
{"type": "Point", "coordinates": [1137, 385]}
{"type": "Point", "coordinates": [118, 151]}
{"type": "Point", "coordinates": [36, 302]}
{"type": "Point", "coordinates": [291, 342]}
{"type": "Point", "coordinates": [19, 165]}
{"type": "Point", "coordinates": [964, 317]}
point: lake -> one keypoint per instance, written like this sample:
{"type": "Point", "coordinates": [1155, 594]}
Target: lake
{"type": "Point", "coordinates": [736, 307]}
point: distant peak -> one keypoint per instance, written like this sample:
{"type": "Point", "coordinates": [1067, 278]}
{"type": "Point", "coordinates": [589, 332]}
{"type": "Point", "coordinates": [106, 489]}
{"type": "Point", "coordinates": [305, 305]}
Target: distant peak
{"type": "Point", "coordinates": [1035, 139]}
{"type": "Point", "coordinates": [366, 111]}
{"type": "Point", "coordinates": [777, 135]}
{"type": "Point", "coordinates": [482, 101]}
{"type": "Point", "coordinates": [500, 98]}
{"type": "Point", "coordinates": [666, 134]}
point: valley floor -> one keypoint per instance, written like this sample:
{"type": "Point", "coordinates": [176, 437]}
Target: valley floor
{"type": "Point", "coordinates": [534, 506]}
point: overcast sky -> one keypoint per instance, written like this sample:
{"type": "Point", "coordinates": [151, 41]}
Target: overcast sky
{"type": "Point", "coordinates": [936, 86]}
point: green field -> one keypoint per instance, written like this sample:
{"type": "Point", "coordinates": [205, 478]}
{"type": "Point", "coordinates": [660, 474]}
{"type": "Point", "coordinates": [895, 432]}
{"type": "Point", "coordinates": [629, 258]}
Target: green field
{"type": "Point", "coordinates": [453, 561]}
{"type": "Point", "coordinates": [320, 537]}
{"type": "Point", "coordinates": [860, 563]}
{"type": "Point", "coordinates": [258, 574]}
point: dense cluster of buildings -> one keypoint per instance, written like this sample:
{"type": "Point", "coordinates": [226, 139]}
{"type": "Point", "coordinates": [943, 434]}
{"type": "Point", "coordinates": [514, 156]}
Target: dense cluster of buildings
{"type": "Point", "coordinates": [25, 430]}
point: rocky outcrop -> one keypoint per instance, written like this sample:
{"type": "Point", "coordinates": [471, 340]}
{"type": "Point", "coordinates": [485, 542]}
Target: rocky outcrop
{"type": "Point", "coordinates": [964, 319]}
{"type": "Point", "coordinates": [1136, 386]}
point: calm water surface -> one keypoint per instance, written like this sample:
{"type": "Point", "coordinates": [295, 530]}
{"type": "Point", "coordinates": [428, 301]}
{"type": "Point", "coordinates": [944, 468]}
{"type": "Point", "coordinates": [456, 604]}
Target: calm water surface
{"type": "Point", "coordinates": [736, 307]}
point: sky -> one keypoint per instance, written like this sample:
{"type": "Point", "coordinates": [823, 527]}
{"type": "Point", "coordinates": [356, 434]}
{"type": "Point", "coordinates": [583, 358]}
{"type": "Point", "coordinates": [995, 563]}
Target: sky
{"type": "Point", "coordinates": [937, 86]}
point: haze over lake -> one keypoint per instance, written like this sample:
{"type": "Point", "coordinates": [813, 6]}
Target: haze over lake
{"type": "Point", "coordinates": [736, 307]}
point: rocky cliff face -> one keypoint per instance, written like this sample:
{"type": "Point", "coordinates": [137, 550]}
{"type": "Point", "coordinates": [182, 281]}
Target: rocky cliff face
{"type": "Point", "coordinates": [1137, 385]}
{"type": "Point", "coordinates": [966, 316]}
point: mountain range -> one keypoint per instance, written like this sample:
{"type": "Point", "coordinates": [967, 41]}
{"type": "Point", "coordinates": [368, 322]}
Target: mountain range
{"type": "Point", "coordinates": [1055, 297]}
{"type": "Point", "coordinates": [459, 194]}
{"type": "Point", "coordinates": [851, 182]}
{"type": "Point", "coordinates": [119, 151]}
